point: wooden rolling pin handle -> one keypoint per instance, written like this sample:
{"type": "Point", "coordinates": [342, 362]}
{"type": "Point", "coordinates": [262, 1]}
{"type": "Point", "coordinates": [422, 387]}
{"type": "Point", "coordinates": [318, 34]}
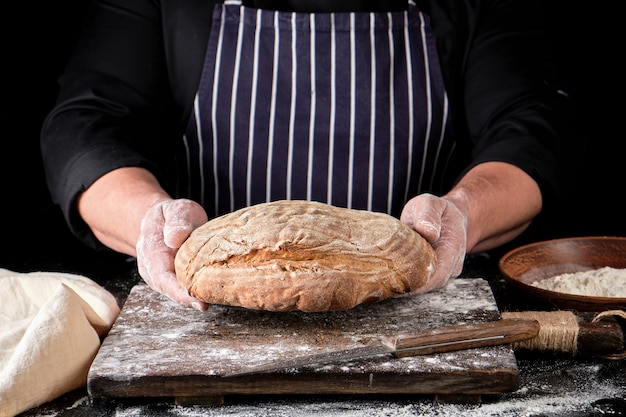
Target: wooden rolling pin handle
{"type": "Point", "coordinates": [606, 336]}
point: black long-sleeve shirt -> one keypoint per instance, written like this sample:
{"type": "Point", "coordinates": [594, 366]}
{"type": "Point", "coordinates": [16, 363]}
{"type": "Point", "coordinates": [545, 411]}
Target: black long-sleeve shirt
{"type": "Point", "coordinates": [128, 90]}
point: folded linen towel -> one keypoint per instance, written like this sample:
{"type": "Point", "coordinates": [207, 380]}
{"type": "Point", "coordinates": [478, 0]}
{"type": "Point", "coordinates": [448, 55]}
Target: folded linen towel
{"type": "Point", "coordinates": [50, 329]}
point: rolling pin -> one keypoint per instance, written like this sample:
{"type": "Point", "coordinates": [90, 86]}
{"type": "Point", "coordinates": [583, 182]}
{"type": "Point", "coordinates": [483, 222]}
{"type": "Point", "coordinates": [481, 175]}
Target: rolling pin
{"type": "Point", "coordinates": [578, 333]}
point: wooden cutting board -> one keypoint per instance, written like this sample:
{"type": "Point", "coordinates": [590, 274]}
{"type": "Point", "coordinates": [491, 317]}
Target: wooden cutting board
{"type": "Point", "coordinates": [157, 348]}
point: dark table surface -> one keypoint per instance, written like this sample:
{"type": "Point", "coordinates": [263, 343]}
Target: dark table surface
{"type": "Point", "coordinates": [551, 384]}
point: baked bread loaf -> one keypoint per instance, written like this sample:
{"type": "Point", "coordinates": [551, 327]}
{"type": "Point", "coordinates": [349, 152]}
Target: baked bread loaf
{"type": "Point", "coordinates": [301, 255]}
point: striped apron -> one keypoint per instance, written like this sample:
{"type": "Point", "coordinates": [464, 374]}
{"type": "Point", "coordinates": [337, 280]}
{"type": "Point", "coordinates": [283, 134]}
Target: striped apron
{"type": "Point", "coordinates": [348, 109]}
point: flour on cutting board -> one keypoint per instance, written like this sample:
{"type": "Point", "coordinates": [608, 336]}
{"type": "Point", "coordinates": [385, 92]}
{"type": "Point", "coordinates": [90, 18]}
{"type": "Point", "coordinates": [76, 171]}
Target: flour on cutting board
{"type": "Point", "coordinates": [154, 335]}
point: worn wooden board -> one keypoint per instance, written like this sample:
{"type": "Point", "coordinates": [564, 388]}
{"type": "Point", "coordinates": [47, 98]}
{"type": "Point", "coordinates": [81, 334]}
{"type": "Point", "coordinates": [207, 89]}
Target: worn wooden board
{"type": "Point", "coordinates": [158, 349]}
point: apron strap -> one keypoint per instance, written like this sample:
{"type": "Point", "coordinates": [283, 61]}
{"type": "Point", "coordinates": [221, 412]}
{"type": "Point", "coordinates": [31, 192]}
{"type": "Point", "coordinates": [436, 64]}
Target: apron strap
{"type": "Point", "coordinates": [324, 5]}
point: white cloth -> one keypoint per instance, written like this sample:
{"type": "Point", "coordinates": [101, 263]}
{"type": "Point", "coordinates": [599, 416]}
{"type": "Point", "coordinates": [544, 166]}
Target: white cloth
{"type": "Point", "coordinates": [50, 328]}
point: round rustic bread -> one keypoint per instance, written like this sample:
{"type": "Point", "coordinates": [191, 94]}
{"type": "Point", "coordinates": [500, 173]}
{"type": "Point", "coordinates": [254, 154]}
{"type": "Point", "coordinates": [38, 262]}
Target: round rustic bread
{"type": "Point", "coordinates": [300, 255]}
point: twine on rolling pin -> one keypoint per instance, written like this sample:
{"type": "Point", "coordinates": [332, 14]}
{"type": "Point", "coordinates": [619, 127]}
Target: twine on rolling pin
{"type": "Point", "coordinates": [558, 330]}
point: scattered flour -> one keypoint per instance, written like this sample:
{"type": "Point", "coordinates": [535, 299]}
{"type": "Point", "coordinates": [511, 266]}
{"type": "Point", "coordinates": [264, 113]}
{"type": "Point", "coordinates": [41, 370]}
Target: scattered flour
{"type": "Point", "coordinates": [602, 282]}
{"type": "Point", "coordinates": [529, 401]}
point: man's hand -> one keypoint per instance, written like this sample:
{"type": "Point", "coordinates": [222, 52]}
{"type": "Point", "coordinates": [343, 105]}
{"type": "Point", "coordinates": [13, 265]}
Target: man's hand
{"type": "Point", "coordinates": [442, 224]}
{"type": "Point", "coordinates": [164, 228]}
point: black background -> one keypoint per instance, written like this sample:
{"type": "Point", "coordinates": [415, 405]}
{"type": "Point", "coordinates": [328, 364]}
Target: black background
{"type": "Point", "coordinates": [38, 38]}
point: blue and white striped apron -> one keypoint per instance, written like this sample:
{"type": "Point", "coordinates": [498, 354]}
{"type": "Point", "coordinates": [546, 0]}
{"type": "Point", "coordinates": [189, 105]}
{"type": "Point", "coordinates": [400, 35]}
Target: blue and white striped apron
{"type": "Point", "coordinates": [348, 109]}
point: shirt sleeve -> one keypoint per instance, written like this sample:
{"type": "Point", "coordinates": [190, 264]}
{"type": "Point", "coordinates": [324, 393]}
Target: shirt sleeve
{"type": "Point", "coordinates": [115, 106]}
{"type": "Point", "coordinates": [511, 100]}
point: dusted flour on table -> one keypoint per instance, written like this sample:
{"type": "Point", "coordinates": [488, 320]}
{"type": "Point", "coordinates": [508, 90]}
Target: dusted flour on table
{"type": "Point", "coordinates": [602, 282]}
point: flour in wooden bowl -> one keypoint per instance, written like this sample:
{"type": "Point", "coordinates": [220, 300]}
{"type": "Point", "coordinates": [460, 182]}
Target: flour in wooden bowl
{"type": "Point", "coordinates": [602, 282]}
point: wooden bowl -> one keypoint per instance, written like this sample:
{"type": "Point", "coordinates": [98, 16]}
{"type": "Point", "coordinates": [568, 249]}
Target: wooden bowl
{"type": "Point", "coordinates": [534, 262]}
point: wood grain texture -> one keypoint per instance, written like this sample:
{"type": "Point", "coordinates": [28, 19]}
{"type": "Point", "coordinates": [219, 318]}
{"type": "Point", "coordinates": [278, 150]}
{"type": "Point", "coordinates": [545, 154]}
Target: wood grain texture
{"type": "Point", "coordinates": [157, 348]}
